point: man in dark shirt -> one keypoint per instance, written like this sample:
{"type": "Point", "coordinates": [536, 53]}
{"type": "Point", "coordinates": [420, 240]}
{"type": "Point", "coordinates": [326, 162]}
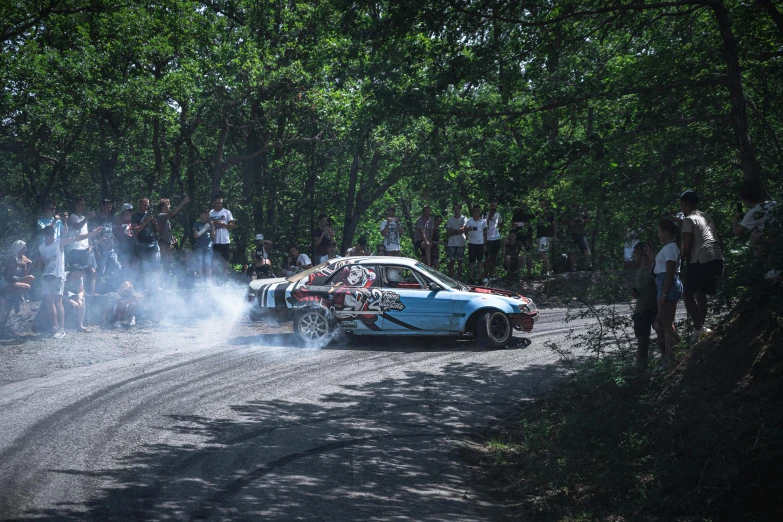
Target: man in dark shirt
{"type": "Point", "coordinates": [105, 254]}
{"type": "Point", "coordinates": [578, 216]}
{"type": "Point", "coordinates": [323, 237]}
{"type": "Point", "coordinates": [522, 225]}
{"type": "Point", "coordinates": [145, 230]}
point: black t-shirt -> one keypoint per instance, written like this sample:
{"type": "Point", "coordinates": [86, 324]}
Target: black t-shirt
{"type": "Point", "coordinates": [104, 242]}
{"type": "Point", "coordinates": [323, 247]}
{"type": "Point", "coordinates": [525, 232]}
{"type": "Point", "coordinates": [545, 227]}
{"type": "Point", "coordinates": [147, 234]}
{"type": "Point", "coordinates": [259, 255]}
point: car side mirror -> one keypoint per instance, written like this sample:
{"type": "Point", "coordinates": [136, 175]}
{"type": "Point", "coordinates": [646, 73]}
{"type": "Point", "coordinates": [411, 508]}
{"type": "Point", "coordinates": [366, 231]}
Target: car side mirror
{"type": "Point", "coordinates": [435, 287]}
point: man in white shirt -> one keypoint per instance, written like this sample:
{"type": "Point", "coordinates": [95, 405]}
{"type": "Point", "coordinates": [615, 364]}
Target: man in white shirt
{"type": "Point", "coordinates": [80, 251]}
{"type": "Point", "coordinates": [494, 240]}
{"type": "Point", "coordinates": [756, 218]}
{"type": "Point", "coordinates": [223, 220]}
{"type": "Point", "coordinates": [477, 242]}
{"type": "Point", "coordinates": [296, 262]}
{"type": "Point", "coordinates": [422, 235]}
{"type": "Point", "coordinates": [455, 245]}
{"type": "Point", "coordinates": [390, 230]}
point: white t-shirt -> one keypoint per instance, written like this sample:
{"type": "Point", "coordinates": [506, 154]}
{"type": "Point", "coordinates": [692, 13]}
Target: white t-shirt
{"type": "Point", "coordinates": [476, 237]}
{"type": "Point", "coordinates": [324, 259]}
{"type": "Point", "coordinates": [758, 216]}
{"type": "Point", "coordinates": [669, 252]}
{"type": "Point", "coordinates": [221, 234]}
{"type": "Point", "coordinates": [493, 226]}
{"type": "Point", "coordinates": [392, 239]}
{"type": "Point", "coordinates": [84, 244]}
{"type": "Point", "coordinates": [455, 223]}
{"type": "Point", "coordinates": [54, 259]}
{"type": "Point", "coordinates": [302, 260]}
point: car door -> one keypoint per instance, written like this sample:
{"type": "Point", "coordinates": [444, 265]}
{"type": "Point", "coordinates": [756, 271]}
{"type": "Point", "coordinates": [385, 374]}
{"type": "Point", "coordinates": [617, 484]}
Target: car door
{"type": "Point", "coordinates": [409, 306]}
{"type": "Point", "coordinates": [350, 294]}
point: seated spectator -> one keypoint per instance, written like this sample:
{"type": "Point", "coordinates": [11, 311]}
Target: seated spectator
{"type": "Point", "coordinates": [203, 232]}
{"type": "Point", "coordinates": [16, 270]}
{"type": "Point", "coordinates": [73, 301]}
{"type": "Point", "coordinates": [296, 262]}
{"type": "Point", "coordinates": [360, 249]}
{"type": "Point", "coordinates": [261, 267]}
{"type": "Point", "coordinates": [331, 253]}
{"type": "Point", "coordinates": [125, 307]}
{"type": "Point", "coordinates": [646, 311]}
{"type": "Point", "coordinates": [53, 278]}
{"type": "Point", "coordinates": [380, 250]}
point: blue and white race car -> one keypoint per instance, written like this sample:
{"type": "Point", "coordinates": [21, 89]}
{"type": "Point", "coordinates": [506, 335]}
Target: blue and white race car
{"type": "Point", "coordinates": [389, 296]}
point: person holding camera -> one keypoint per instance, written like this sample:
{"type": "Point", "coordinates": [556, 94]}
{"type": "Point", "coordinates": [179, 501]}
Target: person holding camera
{"type": "Point", "coordinates": [323, 238]}
{"type": "Point", "coordinates": [390, 230]}
{"type": "Point", "coordinates": [203, 232]}
{"type": "Point", "coordinates": [145, 229]}
{"type": "Point", "coordinates": [224, 223]}
{"type": "Point", "coordinates": [262, 266]}
{"type": "Point", "coordinates": [51, 218]}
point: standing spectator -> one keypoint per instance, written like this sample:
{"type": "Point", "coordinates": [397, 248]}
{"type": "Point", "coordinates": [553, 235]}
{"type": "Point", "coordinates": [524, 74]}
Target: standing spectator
{"type": "Point", "coordinates": [435, 250]}
{"type": "Point", "coordinates": [74, 303]}
{"type": "Point", "coordinates": [494, 240]}
{"type": "Point", "coordinates": [645, 292]}
{"type": "Point", "coordinates": [16, 271]}
{"type": "Point", "coordinates": [296, 262]}
{"type": "Point", "coordinates": [53, 278]}
{"type": "Point", "coordinates": [50, 217]}
{"type": "Point", "coordinates": [106, 260]}
{"type": "Point", "coordinates": [632, 237]}
{"type": "Point", "coordinates": [455, 245]}
{"type": "Point", "coordinates": [79, 252]}
{"type": "Point", "coordinates": [167, 243]}
{"type": "Point", "coordinates": [390, 230]}
{"type": "Point", "coordinates": [145, 229]}
{"type": "Point", "coordinates": [578, 218]}
{"type": "Point", "coordinates": [703, 253]}
{"type": "Point", "coordinates": [546, 234]}
{"type": "Point", "coordinates": [360, 249]}
{"type": "Point", "coordinates": [668, 285]}
{"type": "Point", "coordinates": [203, 232]}
{"type": "Point", "coordinates": [522, 223]}
{"type": "Point", "coordinates": [124, 242]}
{"type": "Point", "coordinates": [323, 238]}
{"type": "Point", "coordinates": [477, 243]}
{"type": "Point", "coordinates": [224, 222]}
{"type": "Point", "coordinates": [756, 218]}
{"type": "Point", "coordinates": [513, 257]}
{"type": "Point", "coordinates": [422, 235]}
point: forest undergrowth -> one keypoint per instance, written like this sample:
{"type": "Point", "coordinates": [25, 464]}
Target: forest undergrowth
{"type": "Point", "coordinates": [620, 442]}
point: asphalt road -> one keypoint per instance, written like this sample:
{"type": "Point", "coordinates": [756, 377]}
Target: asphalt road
{"type": "Point", "coordinates": [224, 420]}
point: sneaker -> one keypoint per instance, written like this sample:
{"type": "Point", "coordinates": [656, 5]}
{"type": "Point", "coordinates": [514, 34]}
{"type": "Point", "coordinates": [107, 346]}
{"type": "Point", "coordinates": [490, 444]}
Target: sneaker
{"type": "Point", "coordinates": [59, 334]}
{"type": "Point", "coordinates": [132, 321]}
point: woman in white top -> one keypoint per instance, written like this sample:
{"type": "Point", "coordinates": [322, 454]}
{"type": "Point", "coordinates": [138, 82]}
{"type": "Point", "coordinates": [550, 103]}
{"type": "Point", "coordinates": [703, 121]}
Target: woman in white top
{"type": "Point", "coordinates": [665, 270]}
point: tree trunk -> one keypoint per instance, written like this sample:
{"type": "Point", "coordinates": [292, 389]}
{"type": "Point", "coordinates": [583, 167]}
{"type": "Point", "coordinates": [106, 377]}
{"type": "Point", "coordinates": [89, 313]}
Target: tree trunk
{"type": "Point", "coordinates": [217, 174]}
{"type": "Point", "coordinates": [739, 113]}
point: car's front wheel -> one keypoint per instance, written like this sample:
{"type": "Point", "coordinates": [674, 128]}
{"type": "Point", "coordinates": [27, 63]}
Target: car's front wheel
{"type": "Point", "coordinates": [493, 329]}
{"type": "Point", "coordinates": [312, 326]}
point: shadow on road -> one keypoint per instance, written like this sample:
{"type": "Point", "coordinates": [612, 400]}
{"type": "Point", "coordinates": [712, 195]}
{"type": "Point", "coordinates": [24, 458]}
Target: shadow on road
{"type": "Point", "coordinates": [378, 450]}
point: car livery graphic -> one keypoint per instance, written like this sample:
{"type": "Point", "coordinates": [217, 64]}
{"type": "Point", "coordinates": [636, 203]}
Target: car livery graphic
{"type": "Point", "coordinates": [389, 296]}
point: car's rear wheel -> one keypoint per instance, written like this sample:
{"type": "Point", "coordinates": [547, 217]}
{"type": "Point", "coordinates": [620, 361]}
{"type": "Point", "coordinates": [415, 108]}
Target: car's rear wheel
{"type": "Point", "coordinates": [312, 326]}
{"type": "Point", "coordinates": [493, 329]}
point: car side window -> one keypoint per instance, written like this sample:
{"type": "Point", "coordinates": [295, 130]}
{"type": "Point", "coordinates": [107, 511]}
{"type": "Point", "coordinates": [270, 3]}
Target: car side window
{"type": "Point", "coordinates": [359, 276]}
{"type": "Point", "coordinates": [402, 278]}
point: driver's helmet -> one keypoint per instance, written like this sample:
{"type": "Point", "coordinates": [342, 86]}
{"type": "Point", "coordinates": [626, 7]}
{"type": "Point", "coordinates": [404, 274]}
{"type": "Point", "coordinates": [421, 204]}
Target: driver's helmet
{"type": "Point", "coordinates": [394, 275]}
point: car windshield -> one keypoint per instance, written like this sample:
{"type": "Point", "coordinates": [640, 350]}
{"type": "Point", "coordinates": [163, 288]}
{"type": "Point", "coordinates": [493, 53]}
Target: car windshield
{"type": "Point", "coordinates": [437, 276]}
{"type": "Point", "coordinates": [305, 274]}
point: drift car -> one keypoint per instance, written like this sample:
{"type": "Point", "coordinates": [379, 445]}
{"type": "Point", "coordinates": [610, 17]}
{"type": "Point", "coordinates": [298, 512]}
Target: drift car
{"type": "Point", "coordinates": [389, 296]}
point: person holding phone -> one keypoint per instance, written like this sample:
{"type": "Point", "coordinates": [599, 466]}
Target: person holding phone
{"type": "Point", "coordinates": [477, 243]}
{"type": "Point", "coordinates": [390, 230]}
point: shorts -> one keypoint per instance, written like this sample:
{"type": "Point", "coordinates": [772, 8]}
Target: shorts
{"type": "Point", "coordinates": [643, 321]}
{"type": "Point", "coordinates": [107, 262]}
{"type": "Point", "coordinates": [202, 258]}
{"type": "Point", "coordinates": [418, 249]}
{"type": "Point", "coordinates": [149, 256]}
{"type": "Point", "coordinates": [52, 285]}
{"type": "Point", "coordinates": [475, 252]}
{"type": "Point", "coordinates": [512, 265]}
{"type": "Point", "coordinates": [703, 277]}
{"type": "Point", "coordinates": [221, 249]}
{"type": "Point", "coordinates": [543, 243]}
{"type": "Point", "coordinates": [455, 253]}
{"type": "Point", "coordinates": [493, 248]}
{"type": "Point", "coordinates": [81, 257]}
{"type": "Point", "coordinates": [675, 292]}
{"type": "Point", "coordinates": [579, 241]}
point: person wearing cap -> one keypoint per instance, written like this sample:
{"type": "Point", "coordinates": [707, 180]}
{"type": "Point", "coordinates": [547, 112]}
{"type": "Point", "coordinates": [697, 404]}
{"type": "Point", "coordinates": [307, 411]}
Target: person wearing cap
{"type": "Point", "coordinates": [123, 241]}
{"type": "Point", "coordinates": [106, 260]}
{"type": "Point", "coordinates": [422, 235]}
{"type": "Point", "coordinates": [390, 230]}
{"type": "Point", "coordinates": [702, 251]}
{"type": "Point", "coordinates": [262, 266]}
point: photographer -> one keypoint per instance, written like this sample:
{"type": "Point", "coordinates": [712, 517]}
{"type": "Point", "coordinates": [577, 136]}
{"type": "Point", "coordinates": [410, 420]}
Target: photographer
{"type": "Point", "coordinates": [81, 252]}
{"type": "Point", "coordinates": [56, 221]}
{"type": "Point", "coordinates": [323, 238]}
{"type": "Point", "coordinates": [224, 223]}
{"type": "Point", "coordinates": [390, 230]}
{"type": "Point", "coordinates": [167, 240]}
{"type": "Point", "coordinates": [145, 229]}
{"type": "Point", "coordinates": [262, 266]}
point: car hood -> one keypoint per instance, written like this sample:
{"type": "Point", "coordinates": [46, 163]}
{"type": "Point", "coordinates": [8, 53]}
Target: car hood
{"type": "Point", "coordinates": [503, 293]}
{"type": "Point", "coordinates": [258, 283]}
